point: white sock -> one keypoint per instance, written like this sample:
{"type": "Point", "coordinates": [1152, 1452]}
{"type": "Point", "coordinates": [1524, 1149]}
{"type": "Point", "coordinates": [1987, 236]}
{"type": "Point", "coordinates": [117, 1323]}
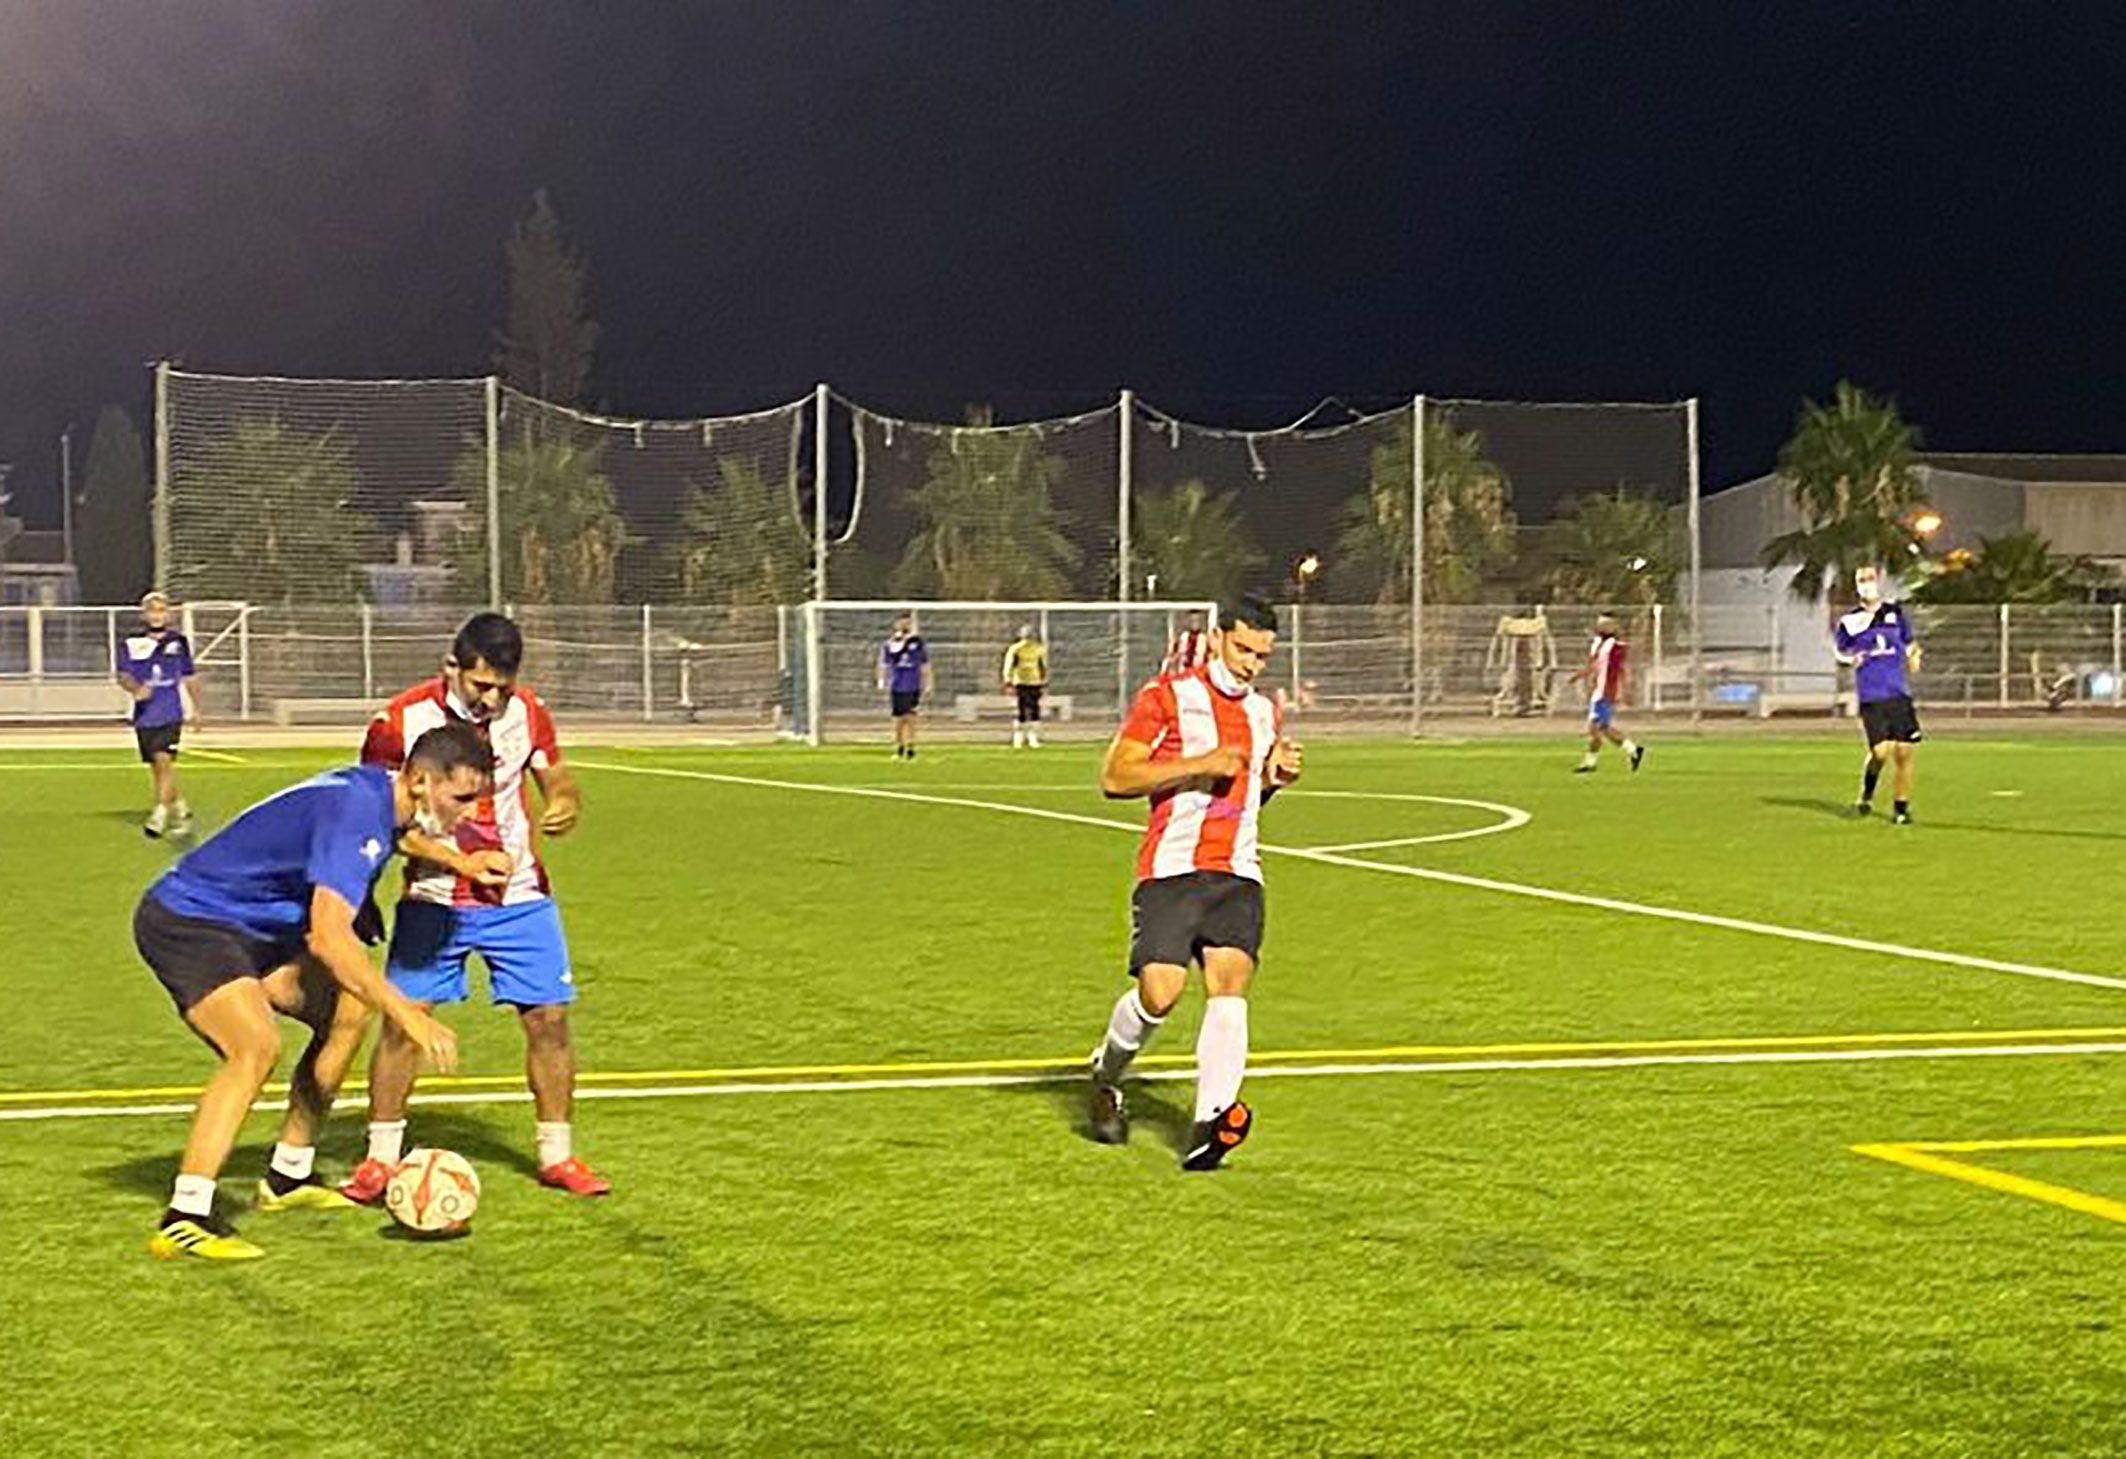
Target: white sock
{"type": "Point", "coordinates": [387, 1140]}
{"type": "Point", "coordinates": [294, 1161]}
{"type": "Point", "coordinates": [1033, 738]}
{"type": "Point", "coordinates": [193, 1195]}
{"type": "Point", "coordinates": [181, 808]}
{"type": "Point", "coordinates": [1129, 1029]}
{"type": "Point", "coordinates": [1588, 758]}
{"type": "Point", "coordinates": [1221, 1054]}
{"type": "Point", "coordinates": [1630, 748]}
{"type": "Point", "coordinates": [556, 1140]}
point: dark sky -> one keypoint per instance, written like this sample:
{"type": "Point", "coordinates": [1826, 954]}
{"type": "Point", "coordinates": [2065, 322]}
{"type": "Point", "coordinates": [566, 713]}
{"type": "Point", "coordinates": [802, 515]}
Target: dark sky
{"type": "Point", "coordinates": [1234, 208]}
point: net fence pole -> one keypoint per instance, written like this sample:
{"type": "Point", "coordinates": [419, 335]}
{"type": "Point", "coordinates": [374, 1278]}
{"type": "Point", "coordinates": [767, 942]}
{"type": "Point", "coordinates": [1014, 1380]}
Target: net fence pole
{"type": "Point", "coordinates": [243, 661]}
{"type": "Point", "coordinates": [820, 408]}
{"type": "Point", "coordinates": [368, 616]}
{"type": "Point", "coordinates": [1417, 565]}
{"type": "Point", "coordinates": [1697, 569]}
{"type": "Point", "coordinates": [1653, 684]}
{"type": "Point", "coordinates": [2118, 623]}
{"type": "Point", "coordinates": [813, 732]}
{"type": "Point", "coordinates": [1125, 485]}
{"type": "Point", "coordinates": [2004, 657]}
{"type": "Point", "coordinates": [648, 674]}
{"type": "Point", "coordinates": [493, 426]}
{"type": "Point", "coordinates": [162, 476]}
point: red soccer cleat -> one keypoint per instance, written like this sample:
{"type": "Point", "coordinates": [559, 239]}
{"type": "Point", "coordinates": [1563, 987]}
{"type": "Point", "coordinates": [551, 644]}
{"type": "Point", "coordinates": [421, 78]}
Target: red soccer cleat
{"type": "Point", "coordinates": [366, 1186]}
{"type": "Point", "coordinates": [573, 1176]}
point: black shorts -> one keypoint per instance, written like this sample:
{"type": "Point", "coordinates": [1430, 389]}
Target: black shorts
{"type": "Point", "coordinates": [192, 957]}
{"type": "Point", "coordinates": [158, 739]}
{"type": "Point", "coordinates": [1029, 701]}
{"type": "Point", "coordinates": [905, 702]}
{"type": "Point", "coordinates": [1893, 720]}
{"type": "Point", "coordinates": [1174, 918]}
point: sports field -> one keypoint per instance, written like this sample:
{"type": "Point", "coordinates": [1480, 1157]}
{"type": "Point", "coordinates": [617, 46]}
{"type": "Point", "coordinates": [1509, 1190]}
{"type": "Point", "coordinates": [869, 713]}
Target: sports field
{"type": "Point", "coordinates": [1556, 1149]}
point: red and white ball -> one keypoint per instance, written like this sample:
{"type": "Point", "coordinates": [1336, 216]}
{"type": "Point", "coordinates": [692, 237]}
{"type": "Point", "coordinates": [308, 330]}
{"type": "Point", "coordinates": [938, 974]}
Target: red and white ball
{"type": "Point", "coordinates": [434, 1192]}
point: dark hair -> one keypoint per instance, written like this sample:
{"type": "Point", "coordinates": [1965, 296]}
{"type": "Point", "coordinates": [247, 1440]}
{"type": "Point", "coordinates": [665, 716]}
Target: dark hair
{"type": "Point", "coordinates": [450, 747]}
{"type": "Point", "coordinates": [1254, 611]}
{"type": "Point", "coordinates": [490, 637]}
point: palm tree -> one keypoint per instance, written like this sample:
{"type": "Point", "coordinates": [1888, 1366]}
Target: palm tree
{"type": "Point", "coordinates": [2017, 567]}
{"type": "Point", "coordinates": [1193, 541]}
{"type": "Point", "coordinates": [1469, 528]}
{"type": "Point", "coordinates": [266, 512]}
{"type": "Point", "coordinates": [562, 532]}
{"type": "Point", "coordinates": [1851, 469]}
{"type": "Point", "coordinates": [991, 527]}
{"type": "Point", "coordinates": [1619, 547]}
{"type": "Point", "coordinates": [741, 541]}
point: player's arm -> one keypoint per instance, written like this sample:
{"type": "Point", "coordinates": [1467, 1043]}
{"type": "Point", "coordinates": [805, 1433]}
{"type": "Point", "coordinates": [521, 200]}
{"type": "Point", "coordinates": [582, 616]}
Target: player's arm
{"type": "Point", "coordinates": [134, 689]}
{"type": "Point", "coordinates": [489, 868]}
{"type": "Point", "coordinates": [332, 941]}
{"type": "Point", "coordinates": [564, 802]}
{"type": "Point", "coordinates": [1129, 771]}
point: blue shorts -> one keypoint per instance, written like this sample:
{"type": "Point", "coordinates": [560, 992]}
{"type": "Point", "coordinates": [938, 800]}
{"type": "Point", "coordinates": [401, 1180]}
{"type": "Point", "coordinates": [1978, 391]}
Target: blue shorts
{"type": "Point", "coordinates": [1601, 712]}
{"type": "Point", "coordinates": [522, 945]}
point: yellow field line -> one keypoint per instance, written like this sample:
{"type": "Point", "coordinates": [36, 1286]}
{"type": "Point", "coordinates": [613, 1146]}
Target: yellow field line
{"type": "Point", "coordinates": [1922, 1157]}
{"type": "Point", "coordinates": [1270, 1056]}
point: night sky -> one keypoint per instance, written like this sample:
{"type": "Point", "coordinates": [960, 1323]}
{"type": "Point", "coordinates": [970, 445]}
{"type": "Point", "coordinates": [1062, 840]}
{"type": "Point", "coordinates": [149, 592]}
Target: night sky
{"type": "Point", "coordinates": [1235, 208]}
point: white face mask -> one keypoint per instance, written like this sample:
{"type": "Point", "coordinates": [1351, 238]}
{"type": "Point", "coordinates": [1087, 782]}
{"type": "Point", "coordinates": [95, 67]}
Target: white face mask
{"type": "Point", "coordinates": [1869, 587]}
{"type": "Point", "coordinates": [430, 823]}
{"type": "Point", "coordinates": [1223, 679]}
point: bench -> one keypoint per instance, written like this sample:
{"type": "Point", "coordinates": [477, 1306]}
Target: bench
{"type": "Point", "coordinates": [1816, 702]}
{"type": "Point", "coordinates": [63, 699]}
{"type": "Point", "coordinates": [287, 712]}
{"type": "Point", "coordinates": [968, 708]}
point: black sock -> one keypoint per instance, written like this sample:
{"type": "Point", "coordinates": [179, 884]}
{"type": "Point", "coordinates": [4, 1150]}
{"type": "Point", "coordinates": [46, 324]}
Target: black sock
{"type": "Point", "coordinates": [1868, 779]}
{"type": "Point", "coordinates": [1902, 807]}
{"type": "Point", "coordinates": [171, 1216]}
{"type": "Point", "coordinates": [281, 1183]}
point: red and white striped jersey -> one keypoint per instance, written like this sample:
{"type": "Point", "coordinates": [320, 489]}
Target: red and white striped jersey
{"type": "Point", "coordinates": [1180, 715]}
{"type": "Point", "coordinates": [1605, 668]}
{"type": "Point", "coordinates": [522, 738]}
{"type": "Point", "coordinates": [1190, 650]}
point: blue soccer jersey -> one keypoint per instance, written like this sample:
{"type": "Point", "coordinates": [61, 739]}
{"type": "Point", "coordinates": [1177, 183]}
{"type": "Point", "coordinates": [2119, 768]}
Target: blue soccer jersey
{"type": "Point", "coordinates": [903, 660]}
{"type": "Point", "coordinates": [1876, 638]}
{"type": "Point", "coordinates": [160, 661]}
{"type": "Point", "coordinates": [334, 830]}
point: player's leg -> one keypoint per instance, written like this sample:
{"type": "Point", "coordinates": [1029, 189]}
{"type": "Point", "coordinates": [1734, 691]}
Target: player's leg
{"type": "Point", "coordinates": [1162, 936]}
{"type": "Point", "coordinates": [1634, 752]}
{"type": "Point", "coordinates": [1033, 715]}
{"type": "Point", "coordinates": [1901, 784]}
{"type": "Point", "coordinates": [155, 756]}
{"type": "Point", "coordinates": [427, 965]}
{"type": "Point", "coordinates": [1231, 942]}
{"type": "Point", "coordinates": [527, 960]}
{"type": "Point", "coordinates": [237, 1021]}
{"type": "Point", "coordinates": [1871, 775]}
{"type": "Point", "coordinates": [1593, 751]}
{"type": "Point", "coordinates": [306, 992]}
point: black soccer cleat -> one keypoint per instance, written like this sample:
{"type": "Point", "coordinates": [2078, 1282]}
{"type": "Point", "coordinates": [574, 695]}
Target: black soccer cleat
{"type": "Point", "coordinates": [1862, 809]}
{"type": "Point", "coordinates": [1107, 1116]}
{"type": "Point", "coordinates": [1638, 753]}
{"type": "Point", "coordinates": [1211, 1140]}
{"type": "Point", "coordinates": [1901, 818]}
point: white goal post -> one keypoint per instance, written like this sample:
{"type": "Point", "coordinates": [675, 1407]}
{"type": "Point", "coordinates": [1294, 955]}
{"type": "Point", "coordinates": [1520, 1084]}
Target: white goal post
{"type": "Point", "coordinates": [1098, 653]}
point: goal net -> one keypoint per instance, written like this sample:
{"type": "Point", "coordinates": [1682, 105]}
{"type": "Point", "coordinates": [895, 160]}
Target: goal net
{"type": "Point", "coordinates": [1098, 654]}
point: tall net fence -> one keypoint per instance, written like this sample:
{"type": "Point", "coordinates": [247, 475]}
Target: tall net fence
{"type": "Point", "coordinates": [980, 511]}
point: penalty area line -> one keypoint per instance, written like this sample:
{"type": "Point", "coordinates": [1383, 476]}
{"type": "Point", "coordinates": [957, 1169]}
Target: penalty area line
{"type": "Point", "coordinates": [1421, 873]}
{"type": "Point", "coordinates": [1161, 1075]}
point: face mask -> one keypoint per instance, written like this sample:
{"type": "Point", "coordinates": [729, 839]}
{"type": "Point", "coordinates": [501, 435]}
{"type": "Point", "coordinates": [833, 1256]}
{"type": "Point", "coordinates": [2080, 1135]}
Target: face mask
{"type": "Point", "coordinates": [429, 822]}
{"type": "Point", "coordinates": [1223, 679]}
{"type": "Point", "coordinates": [1870, 590]}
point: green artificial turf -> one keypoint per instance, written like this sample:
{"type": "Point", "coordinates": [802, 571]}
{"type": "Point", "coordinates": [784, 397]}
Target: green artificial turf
{"type": "Point", "coordinates": [1680, 1259]}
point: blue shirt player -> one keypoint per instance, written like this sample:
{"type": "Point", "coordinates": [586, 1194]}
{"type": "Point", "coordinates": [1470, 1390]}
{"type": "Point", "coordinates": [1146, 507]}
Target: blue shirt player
{"type": "Point", "coordinates": [904, 673]}
{"type": "Point", "coordinates": [259, 921]}
{"type": "Point", "coordinates": [1876, 638]}
{"type": "Point", "coordinates": [154, 662]}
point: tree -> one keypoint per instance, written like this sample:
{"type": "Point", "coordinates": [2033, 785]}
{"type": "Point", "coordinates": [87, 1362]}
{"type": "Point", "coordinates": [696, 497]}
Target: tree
{"type": "Point", "coordinates": [2017, 567]}
{"type": "Point", "coordinates": [991, 527]}
{"type": "Point", "coordinates": [562, 532]}
{"type": "Point", "coordinates": [547, 345]}
{"type": "Point", "coordinates": [116, 548]}
{"type": "Point", "coordinates": [1617, 548]}
{"type": "Point", "coordinates": [1193, 541]}
{"type": "Point", "coordinates": [267, 514]}
{"type": "Point", "coordinates": [741, 541]}
{"type": "Point", "coordinates": [1469, 528]}
{"type": "Point", "coordinates": [1850, 467]}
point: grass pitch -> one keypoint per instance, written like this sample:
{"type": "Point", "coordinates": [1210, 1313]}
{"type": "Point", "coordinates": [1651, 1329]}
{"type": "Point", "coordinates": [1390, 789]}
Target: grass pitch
{"type": "Point", "coordinates": [1533, 1176]}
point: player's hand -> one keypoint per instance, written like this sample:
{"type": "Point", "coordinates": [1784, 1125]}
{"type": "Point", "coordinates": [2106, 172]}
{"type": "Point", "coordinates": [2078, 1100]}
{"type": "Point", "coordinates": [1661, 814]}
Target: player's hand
{"type": "Point", "coordinates": [1287, 760]}
{"type": "Point", "coordinates": [490, 869]}
{"type": "Point", "coordinates": [1222, 763]}
{"type": "Point", "coordinates": [432, 1037]}
{"type": "Point", "coordinates": [560, 817]}
{"type": "Point", "coordinates": [1913, 655]}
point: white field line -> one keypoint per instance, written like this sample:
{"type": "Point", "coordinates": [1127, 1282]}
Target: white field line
{"type": "Point", "coordinates": [1275, 1071]}
{"type": "Point", "coordinates": [1422, 873]}
{"type": "Point", "coordinates": [133, 767]}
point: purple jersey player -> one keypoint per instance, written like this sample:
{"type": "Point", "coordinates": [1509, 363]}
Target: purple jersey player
{"type": "Point", "coordinates": [1876, 638]}
{"type": "Point", "coordinates": [904, 673]}
{"type": "Point", "coordinates": [154, 662]}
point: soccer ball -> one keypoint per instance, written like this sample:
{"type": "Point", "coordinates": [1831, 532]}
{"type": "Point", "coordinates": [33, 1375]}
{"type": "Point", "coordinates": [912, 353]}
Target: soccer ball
{"type": "Point", "coordinates": [434, 1192]}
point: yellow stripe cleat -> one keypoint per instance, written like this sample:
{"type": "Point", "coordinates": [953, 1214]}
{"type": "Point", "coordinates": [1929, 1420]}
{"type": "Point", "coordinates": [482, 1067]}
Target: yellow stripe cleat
{"type": "Point", "coordinates": [311, 1195]}
{"type": "Point", "coordinates": [190, 1237]}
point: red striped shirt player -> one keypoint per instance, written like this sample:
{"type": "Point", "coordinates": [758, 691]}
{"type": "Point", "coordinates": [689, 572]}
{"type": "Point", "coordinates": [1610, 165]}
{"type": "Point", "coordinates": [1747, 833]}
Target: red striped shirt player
{"type": "Point", "coordinates": [1207, 750]}
{"type": "Point", "coordinates": [486, 894]}
{"type": "Point", "coordinates": [1191, 648]}
{"type": "Point", "coordinates": [1604, 677]}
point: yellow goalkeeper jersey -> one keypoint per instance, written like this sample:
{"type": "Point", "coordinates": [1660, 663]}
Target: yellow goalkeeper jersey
{"type": "Point", "coordinates": [1026, 662]}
